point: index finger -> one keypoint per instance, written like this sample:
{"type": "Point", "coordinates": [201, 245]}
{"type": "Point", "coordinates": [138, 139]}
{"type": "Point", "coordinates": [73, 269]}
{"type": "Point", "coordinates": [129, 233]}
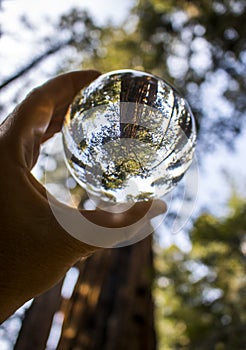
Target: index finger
{"type": "Point", "coordinates": [30, 120]}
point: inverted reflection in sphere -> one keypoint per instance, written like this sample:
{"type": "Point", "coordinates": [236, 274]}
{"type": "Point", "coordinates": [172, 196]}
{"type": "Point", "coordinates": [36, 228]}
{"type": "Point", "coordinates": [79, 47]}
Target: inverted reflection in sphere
{"type": "Point", "coordinates": [128, 136]}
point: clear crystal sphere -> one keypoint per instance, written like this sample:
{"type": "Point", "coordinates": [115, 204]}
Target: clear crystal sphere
{"type": "Point", "coordinates": [128, 136]}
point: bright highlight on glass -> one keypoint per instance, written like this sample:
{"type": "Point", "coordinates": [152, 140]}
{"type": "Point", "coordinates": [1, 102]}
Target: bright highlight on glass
{"type": "Point", "coordinates": [128, 136]}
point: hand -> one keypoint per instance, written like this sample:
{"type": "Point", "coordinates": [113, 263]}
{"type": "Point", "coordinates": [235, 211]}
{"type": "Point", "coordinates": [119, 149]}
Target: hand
{"type": "Point", "coordinates": [35, 250]}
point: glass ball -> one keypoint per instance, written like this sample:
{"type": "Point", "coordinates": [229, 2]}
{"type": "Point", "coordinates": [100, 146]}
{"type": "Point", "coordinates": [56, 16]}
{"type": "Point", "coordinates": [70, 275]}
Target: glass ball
{"type": "Point", "coordinates": [128, 137]}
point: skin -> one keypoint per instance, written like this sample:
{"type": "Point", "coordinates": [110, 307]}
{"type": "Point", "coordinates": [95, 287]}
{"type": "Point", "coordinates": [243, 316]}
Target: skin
{"type": "Point", "coordinates": [35, 251]}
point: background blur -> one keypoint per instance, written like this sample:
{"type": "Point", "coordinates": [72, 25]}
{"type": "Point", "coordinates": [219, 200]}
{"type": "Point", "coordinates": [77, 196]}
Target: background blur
{"type": "Point", "coordinates": [199, 284]}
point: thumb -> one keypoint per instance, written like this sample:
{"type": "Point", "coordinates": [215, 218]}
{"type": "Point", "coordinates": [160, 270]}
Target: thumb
{"type": "Point", "coordinates": [158, 207]}
{"type": "Point", "coordinates": [99, 228]}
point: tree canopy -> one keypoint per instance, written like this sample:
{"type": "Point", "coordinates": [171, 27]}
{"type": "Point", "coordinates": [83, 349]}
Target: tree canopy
{"type": "Point", "coordinates": [197, 46]}
{"type": "Point", "coordinates": [200, 295]}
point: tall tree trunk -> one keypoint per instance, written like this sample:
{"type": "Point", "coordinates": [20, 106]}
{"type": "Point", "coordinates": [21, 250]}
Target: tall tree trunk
{"type": "Point", "coordinates": [37, 323]}
{"type": "Point", "coordinates": [111, 307]}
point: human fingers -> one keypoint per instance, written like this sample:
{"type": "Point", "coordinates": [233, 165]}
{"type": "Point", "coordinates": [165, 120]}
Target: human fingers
{"type": "Point", "coordinates": [128, 217]}
{"type": "Point", "coordinates": [56, 123]}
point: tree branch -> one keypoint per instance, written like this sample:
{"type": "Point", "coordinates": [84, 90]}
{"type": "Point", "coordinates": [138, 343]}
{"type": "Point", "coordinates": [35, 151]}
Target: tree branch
{"type": "Point", "coordinates": [34, 63]}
